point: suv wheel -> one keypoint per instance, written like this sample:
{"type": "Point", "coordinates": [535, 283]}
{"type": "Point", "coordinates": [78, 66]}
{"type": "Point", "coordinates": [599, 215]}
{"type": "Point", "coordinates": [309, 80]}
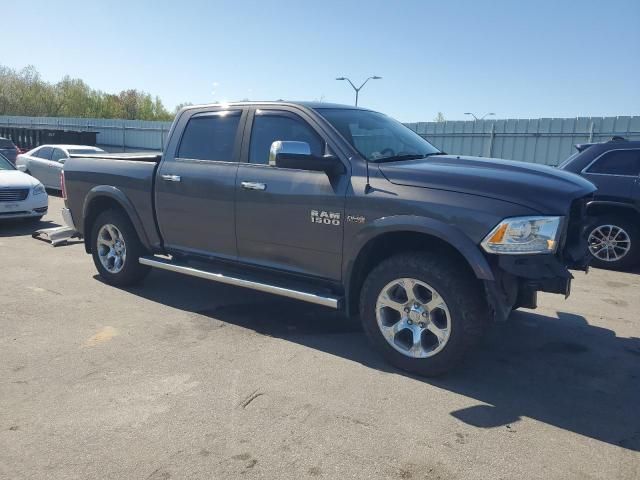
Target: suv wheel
{"type": "Point", "coordinates": [423, 312]}
{"type": "Point", "coordinates": [116, 248]}
{"type": "Point", "coordinates": [613, 243]}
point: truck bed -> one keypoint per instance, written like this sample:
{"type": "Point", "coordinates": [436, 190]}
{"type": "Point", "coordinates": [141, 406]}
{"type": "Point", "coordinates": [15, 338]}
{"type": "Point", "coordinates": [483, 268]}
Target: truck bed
{"type": "Point", "coordinates": [127, 177]}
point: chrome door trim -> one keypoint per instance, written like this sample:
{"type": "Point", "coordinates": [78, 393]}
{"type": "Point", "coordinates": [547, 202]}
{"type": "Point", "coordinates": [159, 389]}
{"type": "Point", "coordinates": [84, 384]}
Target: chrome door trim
{"type": "Point", "coordinates": [254, 185]}
{"type": "Point", "coordinates": [171, 178]}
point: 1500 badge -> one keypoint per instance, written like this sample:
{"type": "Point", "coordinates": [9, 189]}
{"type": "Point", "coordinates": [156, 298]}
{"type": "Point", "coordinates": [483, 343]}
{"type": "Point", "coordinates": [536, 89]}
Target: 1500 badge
{"type": "Point", "coordinates": [326, 218]}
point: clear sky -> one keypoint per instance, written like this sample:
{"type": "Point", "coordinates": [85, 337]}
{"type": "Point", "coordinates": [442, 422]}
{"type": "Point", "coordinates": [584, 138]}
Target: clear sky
{"type": "Point", "coordinates": [515, 58]}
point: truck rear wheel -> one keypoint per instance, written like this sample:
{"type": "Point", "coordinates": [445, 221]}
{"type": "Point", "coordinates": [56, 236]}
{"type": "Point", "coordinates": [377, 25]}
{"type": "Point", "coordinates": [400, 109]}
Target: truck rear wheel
{"type": "Point", "coordinates": [116, 248]}
{"type": "Point", "coordinates": [423, 312]}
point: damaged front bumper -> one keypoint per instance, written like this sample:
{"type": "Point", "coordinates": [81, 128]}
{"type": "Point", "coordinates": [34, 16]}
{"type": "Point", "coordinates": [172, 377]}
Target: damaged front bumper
{"type": "Point", "coordinates": [518, 279]}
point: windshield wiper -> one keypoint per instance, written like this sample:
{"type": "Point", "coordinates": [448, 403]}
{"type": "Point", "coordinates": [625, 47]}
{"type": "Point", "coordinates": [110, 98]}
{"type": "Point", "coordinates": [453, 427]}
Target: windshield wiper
{"type": "Point", "coordinates": [406, 156]}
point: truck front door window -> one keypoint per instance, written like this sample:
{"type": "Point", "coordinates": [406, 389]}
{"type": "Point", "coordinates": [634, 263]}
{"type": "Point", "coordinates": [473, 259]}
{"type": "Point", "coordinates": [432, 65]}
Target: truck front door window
{"type": "Point", "coordinates": [210, 137]}
{"type": "Point", "coordinates": [269, 127]}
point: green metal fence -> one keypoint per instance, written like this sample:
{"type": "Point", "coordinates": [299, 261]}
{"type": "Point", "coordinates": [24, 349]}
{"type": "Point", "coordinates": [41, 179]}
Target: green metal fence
{"type": "Point", "coordinates": [542, 140]}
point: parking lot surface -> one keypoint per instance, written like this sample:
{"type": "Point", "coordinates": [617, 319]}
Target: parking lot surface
{"type": "Point", "coordinates": [183, 378]}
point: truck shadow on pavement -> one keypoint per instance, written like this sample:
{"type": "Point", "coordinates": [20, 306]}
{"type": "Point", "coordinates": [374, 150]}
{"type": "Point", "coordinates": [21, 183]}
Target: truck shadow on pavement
{"type": "Point", "coordinates": [16, 228]}
{"type": "Point", "coordinates": [560, 371]}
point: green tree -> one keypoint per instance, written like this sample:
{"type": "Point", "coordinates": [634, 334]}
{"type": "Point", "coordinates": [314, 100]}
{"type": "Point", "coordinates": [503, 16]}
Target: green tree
{"type": "Point", "coordinates": [180, 106]}
{"type": "Point", "coordinates": [440, 118]}
{"type": "Point", "coordinates": [23, 92]}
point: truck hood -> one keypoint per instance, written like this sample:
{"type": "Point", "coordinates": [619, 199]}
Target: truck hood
{"type": "Point", "coordinates": [545, 189]}
{"type": "Point", "coordinates": [16, 179]}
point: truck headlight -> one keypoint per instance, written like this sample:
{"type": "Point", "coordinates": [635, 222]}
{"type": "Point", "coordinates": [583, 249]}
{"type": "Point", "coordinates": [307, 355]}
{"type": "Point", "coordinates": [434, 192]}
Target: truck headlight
{"type": "Point", "coordinates": [38, 189]}
{"type": "Point", "coordinates": [521, 235]}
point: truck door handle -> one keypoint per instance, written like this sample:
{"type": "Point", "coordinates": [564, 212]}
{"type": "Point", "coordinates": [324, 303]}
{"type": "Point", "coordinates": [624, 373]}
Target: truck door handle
{"type": "Point", "coordinates": [171, 178]}
{"type": "Point", "coordinates": [254, 186]}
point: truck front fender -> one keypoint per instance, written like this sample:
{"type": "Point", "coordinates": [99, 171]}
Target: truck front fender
{"type": "Point", "coordinates": [96, 196]}
{"type": "Point", "coordinates": [428, 226]}
{"type": "Point", "coordinates": [355, 251]}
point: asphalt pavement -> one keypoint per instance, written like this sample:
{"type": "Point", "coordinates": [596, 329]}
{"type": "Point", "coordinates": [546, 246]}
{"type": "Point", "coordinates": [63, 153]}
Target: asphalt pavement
{"type": "Point", "coordinates": [180, 378]}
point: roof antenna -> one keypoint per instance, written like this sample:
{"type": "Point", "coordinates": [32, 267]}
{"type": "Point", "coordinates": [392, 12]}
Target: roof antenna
{"type": "Point", "coordinates": [367, 187]}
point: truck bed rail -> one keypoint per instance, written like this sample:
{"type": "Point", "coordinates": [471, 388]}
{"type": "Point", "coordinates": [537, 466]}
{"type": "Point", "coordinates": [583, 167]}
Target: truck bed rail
{"type": "Point", "coordinates": [152, 157]}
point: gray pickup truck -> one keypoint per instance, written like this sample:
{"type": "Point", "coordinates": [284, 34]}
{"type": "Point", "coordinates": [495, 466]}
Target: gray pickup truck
{"type": "Point", "coordinates": [342, 207]}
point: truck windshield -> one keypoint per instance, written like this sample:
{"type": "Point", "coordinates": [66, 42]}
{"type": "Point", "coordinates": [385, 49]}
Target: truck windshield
{"type": "Point", "coordinates": [377, 137]}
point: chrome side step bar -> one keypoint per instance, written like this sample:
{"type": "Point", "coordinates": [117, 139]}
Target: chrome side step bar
{"type": "Point", "coordinates": [318, 299]}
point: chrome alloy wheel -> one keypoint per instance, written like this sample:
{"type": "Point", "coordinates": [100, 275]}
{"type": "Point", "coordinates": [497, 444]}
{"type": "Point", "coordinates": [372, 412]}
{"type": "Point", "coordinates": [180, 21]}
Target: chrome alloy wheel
{"type": "Point", "coordinates": [112, 250]}
{"type": "Point", "coordinates": [609, 243]}
{"type": "Point", "coordinates": [413, 318]}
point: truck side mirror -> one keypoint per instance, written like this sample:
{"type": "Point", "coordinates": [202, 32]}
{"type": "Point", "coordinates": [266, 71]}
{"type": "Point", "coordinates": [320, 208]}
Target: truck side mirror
{"type": "Point", "coordinates": [297, 155]}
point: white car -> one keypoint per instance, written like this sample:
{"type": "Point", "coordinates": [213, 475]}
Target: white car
{"type": "Point", "coordinates": [21, 195]}
{"type": "Point", "coordinates": [45, 162]}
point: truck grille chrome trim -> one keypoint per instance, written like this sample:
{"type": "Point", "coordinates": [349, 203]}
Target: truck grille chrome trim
{"type": "Point", "coordinates": [318, 299]}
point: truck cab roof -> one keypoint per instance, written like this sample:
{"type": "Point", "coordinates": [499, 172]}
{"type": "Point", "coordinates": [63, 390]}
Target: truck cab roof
{"type": "Point", "coordinates": [307, 104]}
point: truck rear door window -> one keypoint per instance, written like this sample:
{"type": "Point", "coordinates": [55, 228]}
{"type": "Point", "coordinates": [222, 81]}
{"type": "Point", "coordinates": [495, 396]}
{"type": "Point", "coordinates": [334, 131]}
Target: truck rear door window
{"type": "Point", "coordinates": [210, 137]}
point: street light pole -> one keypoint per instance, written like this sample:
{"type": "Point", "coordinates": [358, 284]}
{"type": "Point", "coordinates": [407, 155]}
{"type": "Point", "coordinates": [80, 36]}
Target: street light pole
{"type": "Point", "coordinates": [357, 89]}
{"type": "Point", "coordinates": [481, 118]}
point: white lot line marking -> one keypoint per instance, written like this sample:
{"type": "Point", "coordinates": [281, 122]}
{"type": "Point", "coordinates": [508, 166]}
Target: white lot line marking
{"type": "Point", "coordinates": [104, 335]}
{"type": "Point", "coordinates": [42, 290]}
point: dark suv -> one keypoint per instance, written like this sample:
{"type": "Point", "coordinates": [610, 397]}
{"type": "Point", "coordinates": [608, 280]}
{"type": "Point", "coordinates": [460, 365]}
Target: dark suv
{"type": "Point", "coordinates": [614, 167]}
{"type": "Point", "coordinates": [8, 149]}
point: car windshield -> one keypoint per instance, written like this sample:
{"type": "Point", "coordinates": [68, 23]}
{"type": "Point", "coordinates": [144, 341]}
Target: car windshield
{"type": "Point", "coordinates": [83, 151]}
{"type": "Point", "coordinates": [5, 164]}
{"type": "Point", "coordinates": [377, 137]}
{"type": "Point", "coordinates": [568, 160]}
{"type": "Point", "coordinates": [6, 143]}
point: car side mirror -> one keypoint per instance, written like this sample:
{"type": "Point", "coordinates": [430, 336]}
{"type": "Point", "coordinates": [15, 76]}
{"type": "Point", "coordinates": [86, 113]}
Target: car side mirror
{"type": "Point", "coordinates": [297, 155]}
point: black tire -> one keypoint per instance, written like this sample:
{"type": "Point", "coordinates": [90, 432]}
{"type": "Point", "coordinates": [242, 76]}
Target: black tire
{"type": "Point", "coordinates": [132, 272]}
{"type": "Point", "coordinates": [633, 255]}
{"type": "Point", "coordinates": [462, 293]}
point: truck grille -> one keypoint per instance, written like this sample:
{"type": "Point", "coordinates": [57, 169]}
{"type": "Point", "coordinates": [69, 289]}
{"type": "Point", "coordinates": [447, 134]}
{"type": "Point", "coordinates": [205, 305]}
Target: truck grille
{"type": "Point", "coordinates": [13, 194]}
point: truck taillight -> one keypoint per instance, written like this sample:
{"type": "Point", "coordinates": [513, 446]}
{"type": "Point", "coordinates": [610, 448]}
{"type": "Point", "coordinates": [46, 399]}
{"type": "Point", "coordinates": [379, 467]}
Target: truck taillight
{"type": "Point", "coordinates": [62, 187]}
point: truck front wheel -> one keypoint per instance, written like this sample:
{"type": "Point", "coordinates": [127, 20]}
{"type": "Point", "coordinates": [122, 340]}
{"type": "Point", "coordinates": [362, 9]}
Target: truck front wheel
{"type": "Point", "coordinates": [422, 311]}
{"type": "Point", "coordinates": [116, 248]}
